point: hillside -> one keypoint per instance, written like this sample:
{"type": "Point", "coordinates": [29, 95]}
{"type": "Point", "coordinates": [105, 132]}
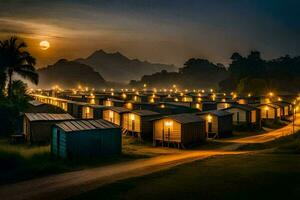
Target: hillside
{"type": "Point", "coordinates": [118, 68]}
{"type": "Point", "coordinates": [196, 73]}
{"type": "Point", "coordinates": [69, 74]}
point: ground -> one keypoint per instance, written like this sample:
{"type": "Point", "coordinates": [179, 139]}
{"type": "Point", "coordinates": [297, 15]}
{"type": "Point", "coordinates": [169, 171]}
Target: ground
{"type": "Point", "coordinates": [273, 172]}
{"type": "Point", "coordinates": [252, 176]}
{"type": "Point", "coordinates": [85, 178]}
{"type": "Point", "coordinates": [24, 162]}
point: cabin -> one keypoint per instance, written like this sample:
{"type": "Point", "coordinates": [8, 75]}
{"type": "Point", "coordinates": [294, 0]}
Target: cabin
{"type": "Point", "coordinates": [223, 105]}
{"type": "Point", "coordinates": [92, 111]}
{"type": "Point", "coordinates": [186, 98]}
{"type": "Point", "coordinates": [286, 109]}
{"type": "Point", "coordinates": [37, 126]}
{"type": "Point", "coordinates": [114, 114]}
{"type": "Point", "coordinates": [85, 139]}
{"type": "Point", "coordinates": [204, 105]}
{"type": "Point", "coordinates": [173, 108]}
{"type": "Point", "coordinates": [218, 123]}
{"type": "Point", "coordinates": [113, 102]}
{"type": "Point", "coordinates": [74, 109]}
{"type": "Point", "coordinates": [35, 106]}
{"type": "Point", "coordinates": [61, 103]}
{"type": "Point", "coordinates": [270, 111]}
{"type": "Point", "coordinates": [179, 130]}
{"type": "Point", "coordinates": [245, 115]}
{"type": "Point", "coordinates": [138, 123]}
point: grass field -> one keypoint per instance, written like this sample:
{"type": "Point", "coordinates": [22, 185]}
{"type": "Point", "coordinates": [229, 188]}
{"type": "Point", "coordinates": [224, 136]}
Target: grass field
{"type": "Point", "coordinates": [257, 176]}
{"type": "Point", "coordinates": [21, 162]}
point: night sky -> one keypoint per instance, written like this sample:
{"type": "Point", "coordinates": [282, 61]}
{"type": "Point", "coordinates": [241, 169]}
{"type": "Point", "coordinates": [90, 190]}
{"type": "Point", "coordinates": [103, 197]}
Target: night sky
{"type": "Point", "coordinates": [155, 30]}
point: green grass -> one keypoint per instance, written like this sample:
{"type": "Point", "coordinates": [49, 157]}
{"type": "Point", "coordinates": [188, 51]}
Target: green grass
{"type": "Point", "coordinates": [257, 176]}
{"type": "Point", "coordinates": [274, 124]}
{"type": "Point", "coordinates": [22, 162]}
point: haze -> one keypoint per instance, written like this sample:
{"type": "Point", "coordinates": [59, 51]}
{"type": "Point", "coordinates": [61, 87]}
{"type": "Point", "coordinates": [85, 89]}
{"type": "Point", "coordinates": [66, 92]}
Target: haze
{"type": "Point", "coordinates": [155, 30]}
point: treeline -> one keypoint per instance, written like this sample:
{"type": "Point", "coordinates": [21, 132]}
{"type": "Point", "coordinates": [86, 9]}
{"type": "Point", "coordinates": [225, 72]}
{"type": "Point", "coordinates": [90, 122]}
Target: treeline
{"type": "Point", "coordinates": [245, 74]}
{"type": "Point", "coordinates": [252, 74]}
{"type": "Point", "coordinates": [195, 73]}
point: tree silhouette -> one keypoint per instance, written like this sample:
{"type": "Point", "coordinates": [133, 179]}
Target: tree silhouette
{"type": "Point", "coordinates": [14, 59]}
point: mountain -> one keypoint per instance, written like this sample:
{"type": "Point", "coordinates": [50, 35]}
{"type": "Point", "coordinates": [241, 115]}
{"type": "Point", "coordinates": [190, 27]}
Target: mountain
{"type": "Point", "coordinates": [69, 74]}
{"type": "Point", "coordinates": [118, 68]}
{"type": "Point", "coordinates": [196, 73]}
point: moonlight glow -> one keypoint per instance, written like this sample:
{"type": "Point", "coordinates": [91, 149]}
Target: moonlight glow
{"type": "Point", "coordinates": [44, 45]}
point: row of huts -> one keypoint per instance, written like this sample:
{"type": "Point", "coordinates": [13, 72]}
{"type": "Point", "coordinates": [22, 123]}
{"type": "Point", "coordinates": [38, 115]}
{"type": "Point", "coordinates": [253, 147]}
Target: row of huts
{"type": "Point", "coordinates": [166, 123]}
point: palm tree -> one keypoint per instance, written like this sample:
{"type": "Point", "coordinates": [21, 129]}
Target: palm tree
{"type": "Point", "coordinates": [14, 59]}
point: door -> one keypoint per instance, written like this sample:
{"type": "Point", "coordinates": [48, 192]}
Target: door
{"type": "Point", "coordinates": [58, 142]}
{"type": "Point", "coordinates": [209, 127]}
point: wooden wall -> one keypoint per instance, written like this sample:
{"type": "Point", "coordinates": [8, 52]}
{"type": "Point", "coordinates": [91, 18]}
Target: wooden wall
{"type": "Point", "coordinates": [160, 130]}
{"type": "Point", "coordinates": [112, 117]}
{"type": "Point", "coordinates": [87, 112]}
{"type": "Point", "coordinates": [242, 115]}
{"type": "Point", "coordinates": [132, 122]}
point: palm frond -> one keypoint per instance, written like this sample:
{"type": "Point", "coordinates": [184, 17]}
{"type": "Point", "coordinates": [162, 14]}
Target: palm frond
{"type": "Point", "coordinates": [29, 75]}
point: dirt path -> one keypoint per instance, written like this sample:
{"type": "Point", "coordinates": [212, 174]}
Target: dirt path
{"type": "Point", "coordinates": [72, 183]}
{"type": "Point", "coordinates": [68, 184]}
{"type": "Point", "coordinates": [271, 135]}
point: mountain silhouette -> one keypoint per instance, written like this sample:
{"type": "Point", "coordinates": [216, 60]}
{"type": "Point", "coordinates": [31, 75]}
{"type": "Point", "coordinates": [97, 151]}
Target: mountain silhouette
{"type": "Point", "coordinates": [118, 68]}
{"type": "Point", "coordinates": [69, 74]}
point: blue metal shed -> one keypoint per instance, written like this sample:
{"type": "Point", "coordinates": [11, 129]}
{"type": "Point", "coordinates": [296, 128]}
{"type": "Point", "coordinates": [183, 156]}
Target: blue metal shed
{"type": "Point", "coordinates": [86, 138]}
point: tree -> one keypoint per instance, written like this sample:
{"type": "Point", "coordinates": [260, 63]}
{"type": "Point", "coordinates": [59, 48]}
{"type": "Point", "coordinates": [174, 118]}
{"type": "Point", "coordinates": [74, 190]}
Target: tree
{"type": "Point", "coordinates": [14, 59]}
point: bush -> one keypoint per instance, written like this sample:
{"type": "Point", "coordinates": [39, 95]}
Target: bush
{"type": "Point", "coordinates": [8, 118]}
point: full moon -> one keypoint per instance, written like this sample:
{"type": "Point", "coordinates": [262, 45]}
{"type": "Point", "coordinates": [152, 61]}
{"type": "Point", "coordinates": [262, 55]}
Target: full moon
{"type": "Point", "coordinates": [44, 45]}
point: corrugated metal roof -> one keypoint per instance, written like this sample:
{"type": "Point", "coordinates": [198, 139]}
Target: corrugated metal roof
{"type": "Point", "coordinates": [184, 118]}
{"type": "Point", "coordinates": [118, 109]}
{"type": "Point", "coordinates": [270, 105]}
{"type": "Point", "coordinates": [145, 112]}
{"type": "Point", "coordinates": [35, 103]}
{"type": "Point", "coordinates": [84, 125]}
{"type": "Point", "coordinates": [180, 104]}
{"type": "Point", "coordinates": [282, 103]}
{"type": "Point", "coordinates": [47, 117]}
{"type": "Point", "coordinates": [242, 107]}
{"type": "Point", "coordinates": [219, 113]}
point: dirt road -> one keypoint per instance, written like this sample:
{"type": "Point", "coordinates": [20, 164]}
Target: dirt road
{"type": "Point", "coordinates": [65, 185]}
{"type": "Point", "coordinates": [68, 184]}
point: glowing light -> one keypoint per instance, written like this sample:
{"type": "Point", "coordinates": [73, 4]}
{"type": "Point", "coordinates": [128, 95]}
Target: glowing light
{"type": "Point", "coordinates": [44, 45]}
{"type": "Point", "coordinates": [266, 108]}
{"type": "Point", "coordinates": [111, 114]}
{"type": "Point", "coordinates": [129, 106]}
{"type": "Point", "coordinates": [168, 123]}
{"type": "Point", "coordinates": [162, 106]}
{"type": "Point", "coordinates": [132, 117]}
{"type": "Point", "coordinates": [209, 118]}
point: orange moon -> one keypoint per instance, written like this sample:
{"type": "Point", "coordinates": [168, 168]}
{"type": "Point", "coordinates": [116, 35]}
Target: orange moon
{"type": "Point", "coordinates": [44, 45]}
